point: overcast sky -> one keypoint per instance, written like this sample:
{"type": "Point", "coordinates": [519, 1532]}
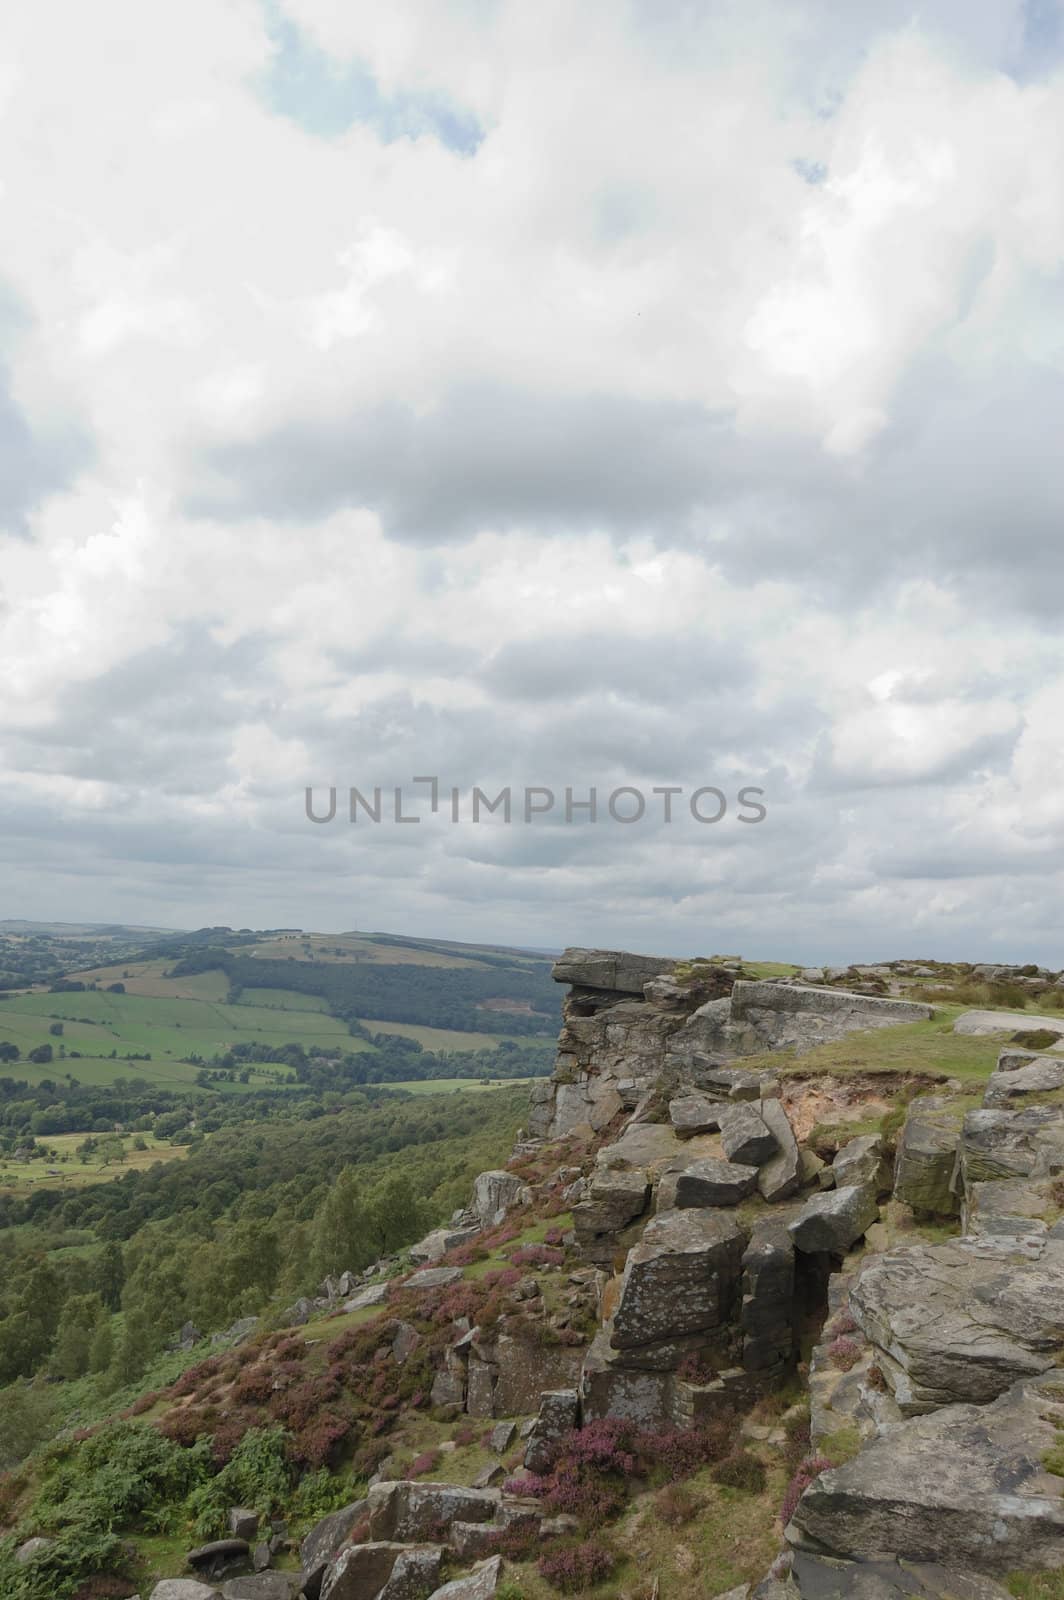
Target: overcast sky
{"type": "Point", "coordinates": [619, 392]}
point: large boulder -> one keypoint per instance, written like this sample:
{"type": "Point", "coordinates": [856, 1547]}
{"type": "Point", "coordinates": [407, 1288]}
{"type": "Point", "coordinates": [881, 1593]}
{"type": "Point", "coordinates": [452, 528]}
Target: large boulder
{"type": "Point", "coordinates": [411, 1512]}
{"type": "Point", "coordinates": [263, 1586]}
{"type": "Point", "coordinates": [439, 1241]}
{"type": "Point", "coordinates": [614, 1199]}
{"type": "Point", "coordinates": [559, 1413]}
{"type": "Point", "coordinates": [374, 1294]}
{"type": "Point", "coordinates": [965, 1486]}
{"type": "Point", "coordinates": [360, 1571]}
{"type": "Point", "coordinates": [416, 1574]}
{"type": "Point", "coordinates": [322, 1543]}
{"type": "Point", "coordinates": [834, 1220]}
{"type": "Point", "coordinates": [963, 1320]}
{"type": "Point", "coordinates": [708, 1183]}
{"type": "Point", "coordinates": [480, 1584]}
{"type": "Point", "coordinates": [927, 1155]}
{"type": "Point", "coordinates": [862, 1160]}
{"type": "Point", "coordinates": [496, 1193]}
{"type": "Point", "coordinates": [183, 1589]}
{"type": "Point", "coordinates": [781, 1175]}
{"type": "Point", "coordinates": [744, 1135]}
{"type": "Point", "coordinates": [681, 1278]}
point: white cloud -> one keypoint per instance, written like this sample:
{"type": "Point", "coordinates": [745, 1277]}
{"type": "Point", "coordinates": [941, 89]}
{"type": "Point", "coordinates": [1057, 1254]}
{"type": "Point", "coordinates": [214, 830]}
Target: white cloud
{"type": "Point", "coordinates": [611, 447]}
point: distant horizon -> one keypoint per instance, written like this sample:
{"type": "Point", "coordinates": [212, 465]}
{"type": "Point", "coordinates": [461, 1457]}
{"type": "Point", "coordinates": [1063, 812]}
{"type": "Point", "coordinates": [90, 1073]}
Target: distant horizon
{"type": "Point", "coordinates": [551, 953]}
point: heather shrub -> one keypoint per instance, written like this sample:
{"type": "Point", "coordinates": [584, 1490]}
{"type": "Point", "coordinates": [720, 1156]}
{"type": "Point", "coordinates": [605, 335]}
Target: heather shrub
{"type": "Point", "coordinates": [740, 1470]}
{"type": "Point", "coordinates": [318, 1443]}
{"type": "Point", "coordinates": [537, 1255]}
{"type": "Point", "coordinates": [574, 1568]}
{"type": "Point", "coordinates": [842, 1322]}
{"type": "Point", "coordinates": [427, 1462]}
{"type": "Point", "coordinates": [844, 1353]}
{"type": "Point", "coordinates": [809, 1467]}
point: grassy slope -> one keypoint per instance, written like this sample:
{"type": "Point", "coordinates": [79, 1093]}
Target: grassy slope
{"type": "Point", "coordinates": [924, 1047]}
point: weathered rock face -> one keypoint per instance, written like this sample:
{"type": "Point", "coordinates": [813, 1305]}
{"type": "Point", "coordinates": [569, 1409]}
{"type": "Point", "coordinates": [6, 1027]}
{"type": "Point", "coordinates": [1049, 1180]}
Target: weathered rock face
{"type": "Point", "coordinates": [834, 1220]}
{"type": "Point", "coordinates": [994, 1144]}
{"type": "Point", "coordinates": [927, 1154]}
{"type": "Point", "coordinates": [964, 1486]}
{"type": "Point", "coordinates": [961, 1322]}
{"type": "Point", "coordinates": [767, 1312]}
{"type": "Point", "coordinates": [680, 1279]}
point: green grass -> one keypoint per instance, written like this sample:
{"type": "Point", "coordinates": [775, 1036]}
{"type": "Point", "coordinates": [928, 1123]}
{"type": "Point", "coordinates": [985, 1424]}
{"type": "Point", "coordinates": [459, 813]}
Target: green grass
{"type": "Point", "coordinates": [1036, 1585]}
{"type": "Point", "coordinates": [912, 1047]}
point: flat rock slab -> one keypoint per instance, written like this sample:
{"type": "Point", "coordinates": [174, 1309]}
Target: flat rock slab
{"type": "Point", "coordinates": [653, 1146]}
{"type": "Point", "coordinates": [834, 1220]}
{"type": "Point", "coordinates": [183, 1589]}
{"type": "Point", "coordinates": [263, 1586]}
{"type": "Point", "coordinates": [480, 1584]}
{"type": "Point", "coordinates": [694, 1113]}
{"type": "Point", "coordinates": [713, 1183]}
{"type": "Point", "coordinates": [1039, 1075]}
{"type": "Point", "coordinates": [979, 1023]}
{"type": "Point", "coordinates": [680, 1278]}
{"type": "Point", "coordinates": [964, 1487]}
{"type": "Point", "coordinates": [745, 1136]}
{"type": "Point", "coordinates": [618, 970]}
{"type": "Point", "coordinates": [958, 1323]}
{"type": "Point", "coordinates": [431, 1278]}
{"type": "Point", "coordinates": [374, 1294]}
{"type": "Point", "coordinates": [821, 1578]}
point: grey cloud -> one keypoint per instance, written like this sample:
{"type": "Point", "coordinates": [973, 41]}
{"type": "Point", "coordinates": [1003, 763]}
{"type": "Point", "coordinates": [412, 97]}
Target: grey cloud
{"type": "Point", "coordinates": [486, 456]}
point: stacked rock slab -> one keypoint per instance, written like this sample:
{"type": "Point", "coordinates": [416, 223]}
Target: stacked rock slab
{"type": "Point", "coordinates": [631, 1023]}
{"type": "Point", "coordinates": [969, 1338]}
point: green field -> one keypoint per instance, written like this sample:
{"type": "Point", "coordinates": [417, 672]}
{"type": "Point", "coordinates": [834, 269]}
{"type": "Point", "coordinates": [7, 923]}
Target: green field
{"type": "Point", "coordinates": [94, 1024]}
{"type": "Point", "coordinates": [62, 1169]}
{"type": "Point", "coordinates": [449, 1085]}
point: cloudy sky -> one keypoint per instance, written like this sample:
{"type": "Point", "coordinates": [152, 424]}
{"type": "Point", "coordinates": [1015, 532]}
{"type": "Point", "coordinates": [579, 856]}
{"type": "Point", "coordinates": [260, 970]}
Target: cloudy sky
{"type": "Point", "coordinates": [531, 392]}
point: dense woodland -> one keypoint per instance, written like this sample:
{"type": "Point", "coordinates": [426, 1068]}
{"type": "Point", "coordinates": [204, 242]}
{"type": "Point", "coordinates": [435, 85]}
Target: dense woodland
{"type": "Point", "coordinates": [438, 997]}
{"type": "Point", "coordinates": [96, 1280]}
